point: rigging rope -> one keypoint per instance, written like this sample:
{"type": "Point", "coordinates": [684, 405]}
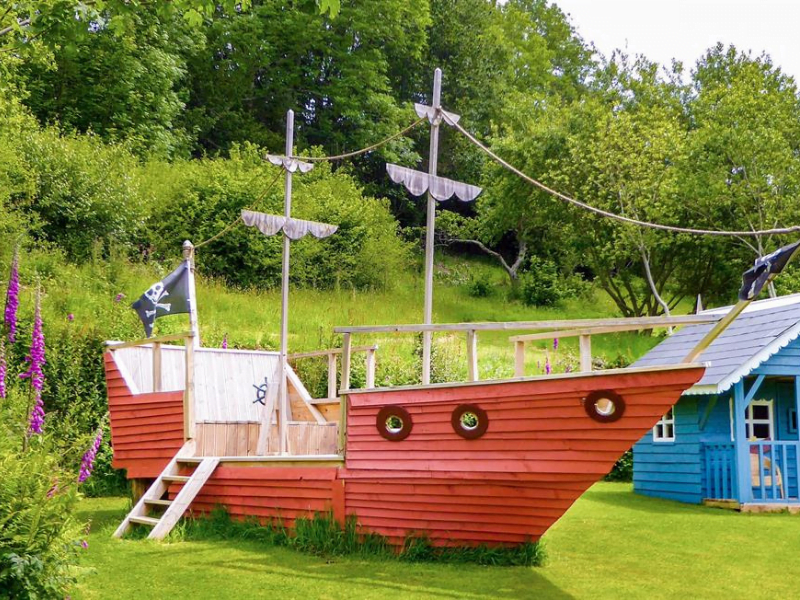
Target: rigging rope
{"type": "Point", "coordinates": [370, 148]}
{"type": "Point", "coordinates": [608, 214]}
{"type": "Point", "coordinates": [230, 225]}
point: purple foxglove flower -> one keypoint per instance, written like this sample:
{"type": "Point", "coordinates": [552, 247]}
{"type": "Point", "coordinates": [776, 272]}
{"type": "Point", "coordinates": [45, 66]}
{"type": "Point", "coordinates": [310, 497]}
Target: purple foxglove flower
{"type": "Point", "coordinates": [555, 344]}
{"type": "Point", "coordinates": [119, 297]}
{"type": "Point", "coordinates": [2, 367]}
{"type": "Point", "coordinates": [225, 342]}
{"type": "Point", "coordinates": [36, 358]}
{"type": "Point", "coordinates": [70, 317]}
{"type": "Point", "coordinates": [547, 368]}
{"type": "Point", "coordinates": [84, 544]}
{"type": "Point", "coordinates": [36, 421]}
{"type": "Point", "coordinates": [12, 300]}
{"type": "Point", "coordinates": [87, 463]}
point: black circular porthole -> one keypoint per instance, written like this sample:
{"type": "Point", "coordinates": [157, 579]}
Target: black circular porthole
{"type": "Point", "coordinates": [394, 423]}
{"type": "Point", "coordinates": [469, 421]}
{"type": "Point", "coordinates": [604, 406]}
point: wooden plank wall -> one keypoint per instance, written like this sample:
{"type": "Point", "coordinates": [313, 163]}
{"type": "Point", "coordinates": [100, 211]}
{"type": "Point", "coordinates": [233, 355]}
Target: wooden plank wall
{"type": "Point", "coordinates": [146, 429]}
{"type": "Point", "coordinates": [539, 454]}
{"type": "Point", "coordinates": [269, 493]}
{"type": "Point", "coordinates": [241, 439]}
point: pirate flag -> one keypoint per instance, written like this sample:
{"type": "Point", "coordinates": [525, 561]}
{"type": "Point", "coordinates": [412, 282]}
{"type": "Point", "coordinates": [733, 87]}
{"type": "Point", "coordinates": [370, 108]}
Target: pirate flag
{"type": "Point", "coordinates": [170, 296]}
{"type": "Point", "coordinates": [754, 279]}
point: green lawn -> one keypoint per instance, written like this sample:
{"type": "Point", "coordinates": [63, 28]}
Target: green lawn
{"type": "Point", "coordinates": [611, 544]}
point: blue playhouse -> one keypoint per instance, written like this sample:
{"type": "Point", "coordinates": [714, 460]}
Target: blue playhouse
{"type": "Point", "coordinates": [733, 437]}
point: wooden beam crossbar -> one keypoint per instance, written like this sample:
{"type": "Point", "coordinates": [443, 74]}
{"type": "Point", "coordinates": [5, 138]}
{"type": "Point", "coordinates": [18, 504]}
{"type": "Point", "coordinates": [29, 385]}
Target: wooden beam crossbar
{"type": "Point", "coordinates": [171, 337]}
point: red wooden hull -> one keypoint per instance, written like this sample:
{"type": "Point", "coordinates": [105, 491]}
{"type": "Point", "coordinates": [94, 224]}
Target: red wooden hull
{"type": "Point", "coordinates": [539, 453]}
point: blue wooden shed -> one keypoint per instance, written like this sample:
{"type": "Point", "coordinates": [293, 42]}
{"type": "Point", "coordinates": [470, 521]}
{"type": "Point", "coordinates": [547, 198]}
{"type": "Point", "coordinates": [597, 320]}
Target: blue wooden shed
{"type": "Point", "coordinates": [733, 436]}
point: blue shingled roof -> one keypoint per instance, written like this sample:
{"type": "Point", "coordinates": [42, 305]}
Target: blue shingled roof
{"type": "Point", "coordinates": [760, 331]}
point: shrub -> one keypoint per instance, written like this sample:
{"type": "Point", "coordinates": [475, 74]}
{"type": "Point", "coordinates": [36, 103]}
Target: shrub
{"type": "Point", "coordinates": [540, 286]}
{"type": "Point", "coordinates": [480, 288]}
{"type": "Point", "coordinates": [39, 536]}
{"type": "Point", "coordinates": [623, 468]}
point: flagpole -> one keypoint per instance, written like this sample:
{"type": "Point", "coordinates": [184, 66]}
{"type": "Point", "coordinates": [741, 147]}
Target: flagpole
{"type": "Point", "coordinates": [188, 256]}
{"type": "Point", "coordinates": [430, 225]}
{"type": "Point", "coordinates": [287, 209]}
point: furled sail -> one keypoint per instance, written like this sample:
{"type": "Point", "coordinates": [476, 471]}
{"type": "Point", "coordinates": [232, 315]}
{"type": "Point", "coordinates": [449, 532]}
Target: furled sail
{"type": "Point", "coordinates": [289, 163]}
{"type": "Point", "coordinates": [440, 188]}
{"type": "Point", "coordinates": [428, 111]}
{"type": "Point", "coordinates": [293, 228]}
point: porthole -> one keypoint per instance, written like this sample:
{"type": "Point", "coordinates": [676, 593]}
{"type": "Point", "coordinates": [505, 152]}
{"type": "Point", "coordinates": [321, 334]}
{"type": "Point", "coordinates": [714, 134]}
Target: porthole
{"type": "Point", "coordinates": [394, 423]}
{"type": "Point", "coordinates": [604, 406]}
{"type": "Point", "coordinates": [469, 421]}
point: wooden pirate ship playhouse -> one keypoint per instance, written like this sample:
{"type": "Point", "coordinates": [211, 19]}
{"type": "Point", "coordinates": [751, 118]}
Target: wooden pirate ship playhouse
{"type": "Point", "coordinates": [464, 463]}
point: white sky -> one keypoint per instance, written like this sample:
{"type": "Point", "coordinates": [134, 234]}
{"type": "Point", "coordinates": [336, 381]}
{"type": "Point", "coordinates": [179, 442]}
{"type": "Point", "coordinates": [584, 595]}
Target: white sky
{"type": "Point", "coordinates": [684, 29]}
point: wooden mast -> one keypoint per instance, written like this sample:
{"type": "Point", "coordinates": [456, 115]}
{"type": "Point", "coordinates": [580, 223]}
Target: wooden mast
{"type": "Point", "coordinates": [287, 212]}
{"type": "Point", "coordinates": [433, 160]}
{"type": "Point", "coordinates": [188, 256]}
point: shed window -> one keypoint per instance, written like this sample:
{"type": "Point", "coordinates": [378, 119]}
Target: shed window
{"type": "Point", "coordinates": [792, 420]}
{"type": "Point", "coordinates": [664, 431]}
{"type": "Point", "coordinates": [758, 420]}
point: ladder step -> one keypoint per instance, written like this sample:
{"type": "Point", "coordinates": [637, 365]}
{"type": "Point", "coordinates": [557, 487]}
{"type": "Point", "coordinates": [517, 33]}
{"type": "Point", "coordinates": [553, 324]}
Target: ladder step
{"type": "Point", "coordinates": [144, 521]}
{"type": "Point", "coordinates": [158, 502]}
{"type": "Point", "coordinates": [190, 460]}
{"type": "Point", "coordinates": [176, 478]}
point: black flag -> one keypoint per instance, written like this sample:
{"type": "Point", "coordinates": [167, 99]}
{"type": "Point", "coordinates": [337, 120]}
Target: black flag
{"type": "Point", "coordinates": [754, 279]}
{"type": "Point", "coordinates": [170, 296]}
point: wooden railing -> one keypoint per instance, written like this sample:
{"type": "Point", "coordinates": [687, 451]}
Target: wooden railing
{"type": "Point", "coordinates": [720, 470]}
{"type": "Point", "coordinates": [776, 479]}
{"type": "Point", "coordinates": [584, 328]}
{"type": "Point", "coordinates": [188, 392]}
{"type": "Point", "coordinates": [332, 354]}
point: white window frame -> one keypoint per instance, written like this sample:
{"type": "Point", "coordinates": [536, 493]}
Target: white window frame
{"type": "Point", "coordinates": [666, 423]}
{"type": "Point", "coordinates": [749, 421]}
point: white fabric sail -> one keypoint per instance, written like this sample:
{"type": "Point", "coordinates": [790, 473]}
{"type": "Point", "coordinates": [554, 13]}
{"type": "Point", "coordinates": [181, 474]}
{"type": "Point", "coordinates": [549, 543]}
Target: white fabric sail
{"type": "Point", "coordinates": [294, 229]}
{"type": "Point", "coordinates": [423, 110]}
{"type": "Point", "coordinates": [289, 163]}
{"type": "Point", "coordinates": [440, 188]}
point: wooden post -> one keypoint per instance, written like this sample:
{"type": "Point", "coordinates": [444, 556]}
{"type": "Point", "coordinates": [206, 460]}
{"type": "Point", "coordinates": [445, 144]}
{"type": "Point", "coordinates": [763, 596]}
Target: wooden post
{"type": "Point", "coordinates": [741, 451]}
{"type": "Point", "coordinates": [430, 226]}
{"type": "Point", "coordinates": [188, 392]}
{"type": "Point", "coordinates": [157, 367]}
{"type": "Point", "coordinates": [287, 212]}
{"type": "Point", "coordinates": [586, 352]}
{"type": "Point", "coordinates": [332, 391]}
{"type": "Point", "coordinates": [342, 426]}
{"type": "Point", "coordinates": [188, 256]}
{"type": "Point", "coordinates": [519, 359]}
{"type": "Point", "coordinates": [346, 353]}
{"type": "Point", "coordinates": [472, 355]}
{"type": "Point", "coordinates": [370, 363]}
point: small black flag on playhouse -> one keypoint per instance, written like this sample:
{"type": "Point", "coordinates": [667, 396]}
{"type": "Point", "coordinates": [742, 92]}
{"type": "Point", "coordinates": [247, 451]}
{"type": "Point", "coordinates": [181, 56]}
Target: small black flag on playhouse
{"type": "Point", "coordinates": [754, 279]}
{"type": "Point", "coordinates": [170, 296]}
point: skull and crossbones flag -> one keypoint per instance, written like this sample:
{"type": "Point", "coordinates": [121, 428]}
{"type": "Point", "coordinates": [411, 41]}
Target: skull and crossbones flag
{"type": "Point", "coordinates": [755, 278]}
{"type": "Point", "coordinates": [170, 296]}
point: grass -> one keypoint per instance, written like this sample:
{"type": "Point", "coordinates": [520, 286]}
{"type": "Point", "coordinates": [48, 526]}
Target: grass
{"type": "Point", "coordinates": [611, 544]}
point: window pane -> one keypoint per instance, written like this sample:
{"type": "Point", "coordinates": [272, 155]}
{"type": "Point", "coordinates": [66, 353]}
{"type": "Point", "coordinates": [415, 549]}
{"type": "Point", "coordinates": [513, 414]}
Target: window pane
{"type": "Point", "coordinates": [761, 411]}
{"type": "Point", "coordinates": [761, 430]}
{"type": "Point", "coordinates": [670, 431]}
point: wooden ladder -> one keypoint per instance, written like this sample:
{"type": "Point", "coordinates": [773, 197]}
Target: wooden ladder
{"type": "Point", "coordinates": [192, 484]}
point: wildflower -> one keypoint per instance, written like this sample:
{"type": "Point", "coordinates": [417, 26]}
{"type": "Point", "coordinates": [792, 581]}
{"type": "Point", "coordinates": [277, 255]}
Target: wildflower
{"type": "Point", "coordinates": [119, 297]}
{"type": "Point", "coordinates": [36, 358]}
{"type": "Point", "coordinates": [2, 367]}
{"type": "Point", "coordinates": [87, 463]}
{"type": "Point", "coordinates": [547, 368]}
{"type": "Point", "coordinates": [555, 344]}
{"type": "Point", "coordinates": [84, 544]}
{"type": "Point", "coordinates": [568, 369]}
{"type": "Point", "coordinates": [36, 421]}
{"type": "Point", "coordinates": [225, 342]}
{"type": "Point", "coordinates": [70, 317]}
{"type": "Point", "coordinates": [12, 299]}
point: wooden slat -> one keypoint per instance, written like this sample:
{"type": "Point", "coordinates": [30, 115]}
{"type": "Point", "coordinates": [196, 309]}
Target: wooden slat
{"type": "Point", "coordinates": [171, 337]}
{"type": "Point", "coordinates": [472, 355]}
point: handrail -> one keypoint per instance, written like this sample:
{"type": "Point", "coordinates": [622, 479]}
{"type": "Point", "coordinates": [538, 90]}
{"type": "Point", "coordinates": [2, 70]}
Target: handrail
{"type": "Point", "coordinates": [170, 337]}
{"type": "Point", "coordinates": [522, 325]}
{"type": "Point", "coordinates": [317, 353]}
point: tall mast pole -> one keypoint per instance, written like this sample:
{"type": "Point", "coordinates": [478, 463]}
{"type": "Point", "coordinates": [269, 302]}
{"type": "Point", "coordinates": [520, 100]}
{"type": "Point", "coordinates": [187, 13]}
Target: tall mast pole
{"type": "Point", "coordinates": [287, 210]}
{"type": "Point", "coordinates": [188, 256]}
{"type": "Point", "coordinates": [433, 159]}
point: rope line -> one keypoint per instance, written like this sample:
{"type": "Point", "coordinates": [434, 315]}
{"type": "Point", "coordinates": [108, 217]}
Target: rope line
{"type": "Point", "coordinates": [608, 214]}
{"type": "Point", "coordinates": [233, 223]}
{"type": "Point", "coordinates": [370, 148]}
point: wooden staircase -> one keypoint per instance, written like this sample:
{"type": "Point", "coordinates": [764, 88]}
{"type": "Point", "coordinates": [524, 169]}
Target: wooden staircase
{"type": "Point", "coordinates": [174, 509]}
